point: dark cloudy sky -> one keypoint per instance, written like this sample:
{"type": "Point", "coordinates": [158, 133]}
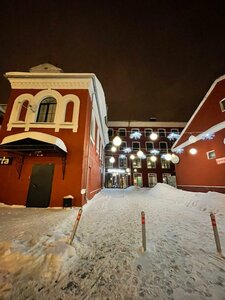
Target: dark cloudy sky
{"type": "Point", "coordinates": [153, 58]}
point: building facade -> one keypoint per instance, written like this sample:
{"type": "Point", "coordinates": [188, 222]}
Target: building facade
{"type": "Point", "coordinates": [201, 146]}
{"type": "Point", "coordinates": [125, 166]}
{"type": "Point", "coordinates": [52, 138]}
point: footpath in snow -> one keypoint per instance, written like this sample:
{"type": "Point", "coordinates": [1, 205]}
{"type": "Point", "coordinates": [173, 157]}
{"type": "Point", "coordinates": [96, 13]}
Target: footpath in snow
{"type": "Point", "coordinates": [105, 260]}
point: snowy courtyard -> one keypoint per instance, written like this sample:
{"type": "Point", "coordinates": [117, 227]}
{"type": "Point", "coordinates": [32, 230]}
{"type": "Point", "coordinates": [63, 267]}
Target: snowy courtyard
{"type": "Point", "coordinates": [105, 260]}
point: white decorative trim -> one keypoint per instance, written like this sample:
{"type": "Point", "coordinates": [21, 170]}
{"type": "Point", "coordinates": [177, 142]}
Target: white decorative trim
{"type": "Point", "coordinates": [43, 137]}
{"type": "Point", "coordinates": [198, 137]}
{"type": "Point", "coordinates": [145, 124]}
{"type": "Point", "coordinates": [31, 116]}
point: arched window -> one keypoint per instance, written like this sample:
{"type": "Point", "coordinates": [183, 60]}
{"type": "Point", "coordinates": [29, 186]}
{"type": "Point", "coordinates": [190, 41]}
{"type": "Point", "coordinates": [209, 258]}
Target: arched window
{"type": "Point", "coordinates": [69, 112]}
{"type": "Point", "coordinates": [46, 112]}
{"type": "Point", "coordinates": [23, 111]}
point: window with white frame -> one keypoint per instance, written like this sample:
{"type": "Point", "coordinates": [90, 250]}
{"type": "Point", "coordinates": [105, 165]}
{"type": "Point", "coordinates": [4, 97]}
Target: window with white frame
{"type": "Point", "coordinates": [165, 164]}
{"type": "Point", "coordinates": [163, 147]}
{"type": "Point", "coordinates": [211, 154]}
{"type": "Point", "coordinates": [222, 104]}
{"type": "Point", "coordinates": [165, 177]}
{"type": "Point", "coordinates": [122, 162]}
{"type": "Point", "coordinates": [135, 130]}
{"type": "Point", "coordinates": [122, 132]}
{"type": "Point", "coordinates": [136, 163]}
{"type": "Point", "coordinates": [137, 178]}
{"type": "Point", "coordinates": [108, 164]}
{"type": "Point", "coordinates": [162, 132]}
{"type": "Point", "coordinates": [123, 146]}
{"type": "Point", "coordinates": [174, 130]}
{"type": "Point", "coordinates": [135, 146]}
{"type": "Point", "coordinates": [152, 179]}
{"type": "Point", "coordinates": [148, 132]}
{"type": "Point", "coordinates": [150, 164]}
{"type": "Point", "coordinates": [149, 146]}
{"type": "Point", "coordinates": [46, 111]}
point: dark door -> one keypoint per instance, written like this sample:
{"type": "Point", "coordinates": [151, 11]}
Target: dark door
{"type": "Point", "coordinates": [40, 185]}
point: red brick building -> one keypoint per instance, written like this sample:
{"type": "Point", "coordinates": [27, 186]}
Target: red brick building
{"type": "Point", "coordinates": [204, 136]}
{"type": "Point", "coordinates": [52, 138]}
{"type": "Point", "coordinates": [141, 171]}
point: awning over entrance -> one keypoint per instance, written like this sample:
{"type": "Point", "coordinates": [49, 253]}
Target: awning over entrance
{"type": "Point", "coordinates": [36, 143]}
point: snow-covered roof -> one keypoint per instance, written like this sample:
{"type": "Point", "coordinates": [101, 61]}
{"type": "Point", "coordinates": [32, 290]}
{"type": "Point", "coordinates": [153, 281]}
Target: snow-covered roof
{"type": "Point", "coordinates": [210, 130]}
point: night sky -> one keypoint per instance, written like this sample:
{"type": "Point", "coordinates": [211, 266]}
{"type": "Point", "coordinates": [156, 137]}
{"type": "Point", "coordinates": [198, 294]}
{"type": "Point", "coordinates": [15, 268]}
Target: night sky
{"type": "Point", "coordinates": [153, 58]}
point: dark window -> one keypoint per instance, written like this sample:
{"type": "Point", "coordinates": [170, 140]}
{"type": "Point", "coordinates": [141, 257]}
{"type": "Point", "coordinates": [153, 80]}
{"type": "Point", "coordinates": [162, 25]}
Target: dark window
{"type": "Point", "coordinates": [163, 147]}
{"type": "Point", "coordinates": [123, 146]}
{"type": "Point", "coordinates": [149, 146]}
{"type": "Point", "coordinates": [46, 112]}
{"type": "Point", "coordinates": [108, 147]}
{"type": "Point", "coordinates": [162, 132]}
{"type": "Point", "coordinates": [135, 145]}
{"type": "Point", "coordinates": [122, 132]}
{"type": "Point", "coordinates": [110, 132]}
{"type": "Point", "coordinates": [174, 130]}
{"type": "Point", "coordinates": [135, 130]}
{"type": "Point", "coordinates": [148, 131]}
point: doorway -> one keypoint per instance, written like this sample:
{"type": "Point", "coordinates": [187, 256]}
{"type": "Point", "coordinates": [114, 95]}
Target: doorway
{"type": "Point", "coordinates": [40, 185]}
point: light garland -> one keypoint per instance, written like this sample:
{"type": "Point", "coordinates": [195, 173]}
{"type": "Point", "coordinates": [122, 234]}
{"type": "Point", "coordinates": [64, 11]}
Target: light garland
{"type": "Point", "coordinates": [135, 135]}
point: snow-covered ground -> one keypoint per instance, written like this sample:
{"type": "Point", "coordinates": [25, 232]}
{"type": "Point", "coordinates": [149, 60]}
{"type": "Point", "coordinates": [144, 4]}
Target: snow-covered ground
{"type": "Point", "coordinates": [105, 260]}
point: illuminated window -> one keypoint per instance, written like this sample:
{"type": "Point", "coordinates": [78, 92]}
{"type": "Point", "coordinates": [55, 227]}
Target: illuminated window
{"type": "Point", "coordinates": [152, 179]}
{"type": "Point", "coordinates": [46, 112]}
{"type": "Point", "coordinates": [136, 163]}
{"type": "Point", "coordinates": [150, 164]}
{"type": "Point", "coordinates": [165, 164]}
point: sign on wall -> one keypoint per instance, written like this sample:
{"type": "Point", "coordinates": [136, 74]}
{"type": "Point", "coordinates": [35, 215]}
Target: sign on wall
{"type": "Point", "coordinates": [220, 161]}
{"type": "Point", "coordinates": [6, 160]}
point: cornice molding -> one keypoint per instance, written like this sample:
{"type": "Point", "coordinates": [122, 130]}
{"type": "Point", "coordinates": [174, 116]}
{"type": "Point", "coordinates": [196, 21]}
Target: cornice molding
{"type": "Point", "coordinates": [47, 83]}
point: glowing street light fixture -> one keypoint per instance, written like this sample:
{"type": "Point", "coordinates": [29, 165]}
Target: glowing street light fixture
{"type": "Point", "coordinates": [153, 136]}
{"type": "Point", "coordinates": [140, 154]}
{"type": "Point", "coordinates": [112, 160]}
{"type": "Point", "coordinates": [132, 156]}
{"type": "Point", "coordinates": [117, 141]}
{"type": "Point", "coordinates": [127, 170]}
{"type": "Point", "coordinates": [113, 149]}
{"type": "Point", "coordinates": [153, 158]}
{"type": "Point", "coordinates": [193, 151]}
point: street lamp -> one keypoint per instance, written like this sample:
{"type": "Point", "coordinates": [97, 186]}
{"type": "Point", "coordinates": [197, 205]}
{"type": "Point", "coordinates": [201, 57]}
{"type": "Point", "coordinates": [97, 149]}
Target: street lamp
{"type": "Point", "coordinates": [117, 141]}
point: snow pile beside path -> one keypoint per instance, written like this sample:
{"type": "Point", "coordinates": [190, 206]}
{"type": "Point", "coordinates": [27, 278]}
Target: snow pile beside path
{"type": "Point", "coordinates": [209, 202]}
{"type": "Point", "coordinates": [36, 251]}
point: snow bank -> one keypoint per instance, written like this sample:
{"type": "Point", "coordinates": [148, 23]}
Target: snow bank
{"type": "Point", "coordinates": [208, 202]}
